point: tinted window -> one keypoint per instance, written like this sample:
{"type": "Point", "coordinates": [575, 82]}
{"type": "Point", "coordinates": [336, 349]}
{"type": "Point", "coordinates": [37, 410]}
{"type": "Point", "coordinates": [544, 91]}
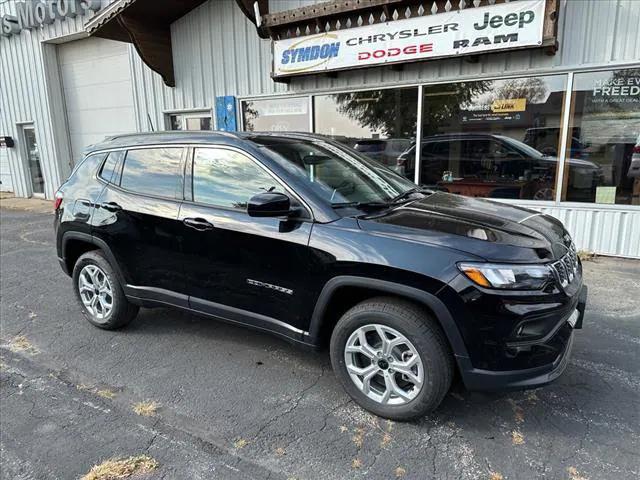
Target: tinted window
{"type": "Point", "coordinates": [228, 179]}
{"type": "Point", "coordinates": [108, 170]}
{"type": "Point", "coordinates": [337, 173]}
{"type": "Point", "coordinates": [153, 171]}
{"type": "Point", "coordinates": [86, 169]}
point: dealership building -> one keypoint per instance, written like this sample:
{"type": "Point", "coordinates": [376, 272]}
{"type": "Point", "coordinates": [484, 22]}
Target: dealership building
{"type": "Point", "coordinates": [530, 102]}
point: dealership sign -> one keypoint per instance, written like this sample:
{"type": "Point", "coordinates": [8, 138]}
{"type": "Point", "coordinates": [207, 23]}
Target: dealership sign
{"type": "Point", "coordinates": [32, 13]}
{"type": "Point", "coordinates": [459, 32]}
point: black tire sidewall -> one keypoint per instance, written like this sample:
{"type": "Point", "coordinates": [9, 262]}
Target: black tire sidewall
{"type": "Point", "coordinates": [434, 360]}
{"type": "Point", "coordinates": [119, 315]}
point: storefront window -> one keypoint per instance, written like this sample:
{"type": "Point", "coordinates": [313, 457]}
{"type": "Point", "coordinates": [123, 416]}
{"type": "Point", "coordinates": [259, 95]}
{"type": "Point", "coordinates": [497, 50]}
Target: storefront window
{"type": "Point", "coordinates": [276, 115]}
{"type": "Point", "coordinates": [190, 121]}
{"type": "Point", "coordinates": [606, 120]}
{"type": "Point", "coordinates": [491, 138]}
{"type": "Point", "coordinates": [381, 124]}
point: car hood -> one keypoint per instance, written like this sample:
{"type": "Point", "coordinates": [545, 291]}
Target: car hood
{"type": "Point", "coordinates": [493, 231]}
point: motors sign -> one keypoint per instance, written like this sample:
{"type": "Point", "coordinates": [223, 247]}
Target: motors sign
{"type": "Point", "coordinates": [472, 30]}
{"type": "Point", "coordinates": [31, 13]}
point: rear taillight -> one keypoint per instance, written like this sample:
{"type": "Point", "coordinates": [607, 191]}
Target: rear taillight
{"type": "Point", "coordinates": [57, 201]}
{"type": "Point", "coordinates": [636, 149]}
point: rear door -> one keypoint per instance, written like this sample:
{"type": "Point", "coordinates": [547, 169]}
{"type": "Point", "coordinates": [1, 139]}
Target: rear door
{"type": "Point", "coordinates": [256, 265]}
{"type": "Point", "coordinates": [137, 216]}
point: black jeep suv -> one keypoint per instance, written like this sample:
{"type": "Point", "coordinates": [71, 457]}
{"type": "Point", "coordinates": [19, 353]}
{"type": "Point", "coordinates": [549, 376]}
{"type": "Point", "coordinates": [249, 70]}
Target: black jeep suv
{"type": "Point", "coordinates": [305, 238]}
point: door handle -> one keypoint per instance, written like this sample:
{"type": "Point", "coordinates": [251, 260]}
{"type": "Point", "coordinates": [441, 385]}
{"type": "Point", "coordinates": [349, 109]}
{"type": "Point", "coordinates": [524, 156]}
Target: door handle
{"type": "Point", "coordinates": [199, 224]}
{"type": "Point", "coordinates": [111, 206]}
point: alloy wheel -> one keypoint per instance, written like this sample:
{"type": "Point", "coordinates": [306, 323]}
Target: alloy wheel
{"type": "Point", "coordinates": [95, 291]}
{"type": "Point", "coordinates": [384, 364]}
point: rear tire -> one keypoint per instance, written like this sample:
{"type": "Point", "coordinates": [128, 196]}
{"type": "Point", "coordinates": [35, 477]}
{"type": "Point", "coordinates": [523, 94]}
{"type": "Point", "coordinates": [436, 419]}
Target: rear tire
{"type": "Point", "coordinates": [418, 341]}
{"type": "Point", "coordinates": [100, 294]}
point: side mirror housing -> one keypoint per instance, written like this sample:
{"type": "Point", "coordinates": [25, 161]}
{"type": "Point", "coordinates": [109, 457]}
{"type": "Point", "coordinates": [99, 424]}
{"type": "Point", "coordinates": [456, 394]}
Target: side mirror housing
{"type": "Point", "coordinates": [269, 204]}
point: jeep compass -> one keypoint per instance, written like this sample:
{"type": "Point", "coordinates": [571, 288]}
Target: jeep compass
{"type": "Point", "coordinates": [302, 237]}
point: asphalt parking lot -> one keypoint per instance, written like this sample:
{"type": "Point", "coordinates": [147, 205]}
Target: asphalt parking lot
{"type": "Point", "coordinates": [239, 404]}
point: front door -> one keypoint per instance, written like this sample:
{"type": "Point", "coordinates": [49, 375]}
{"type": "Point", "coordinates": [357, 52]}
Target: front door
{"type": "Point", "coordinates": [255, 265]}
{"type": "Point", "coordinates": [33, 160]}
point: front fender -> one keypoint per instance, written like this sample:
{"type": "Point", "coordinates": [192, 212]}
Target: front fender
{"type": "Point", "coordinates": [431, 301]}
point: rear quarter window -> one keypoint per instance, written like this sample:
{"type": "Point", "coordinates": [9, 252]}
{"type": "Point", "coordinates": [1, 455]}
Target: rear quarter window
{"type": "Point", "coordinates": [86, 169]}
{"type": "Point", "coordinates": [110, 171]}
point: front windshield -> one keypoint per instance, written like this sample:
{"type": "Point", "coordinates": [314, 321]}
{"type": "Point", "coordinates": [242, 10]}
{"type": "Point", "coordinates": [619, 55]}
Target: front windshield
{"type": "Point", "coordinates": [337, 173]}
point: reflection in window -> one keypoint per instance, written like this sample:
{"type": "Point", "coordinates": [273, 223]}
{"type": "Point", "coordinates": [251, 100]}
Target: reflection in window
{"type": "Point", "coordinates": [109, 166]}
{"type": "Point", "coordinates": [491, 138]}
{"type": "Point", "coordinates": [152, 171]}
{"type": "Point", "coordinates": [381, 124]}
{"type": "Point", "coordinates": [334, 172]}
{"type": "Point", "coordinates": [229, 179]}
{"type": "Point", "coordinates": [190, 121]}
{"type": "Point", "coordinates": [606, 121]}
{"type": "Point", "coordinates": [276, 115]}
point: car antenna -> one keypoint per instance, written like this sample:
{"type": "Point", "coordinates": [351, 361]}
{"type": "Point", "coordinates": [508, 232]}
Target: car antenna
{"type": "Point", "coordinates": [150, 122]}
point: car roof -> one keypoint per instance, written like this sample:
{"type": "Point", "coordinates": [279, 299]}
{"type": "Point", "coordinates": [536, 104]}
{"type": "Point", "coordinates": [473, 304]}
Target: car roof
{"type": "Point", "coordinates": [203, 137]}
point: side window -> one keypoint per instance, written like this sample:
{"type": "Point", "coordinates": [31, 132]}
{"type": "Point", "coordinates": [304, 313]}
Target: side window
{"type": "Point", "coordinates": [225, 178]}
{"type": "Point", "coordinates": [110, 170]}
{"type": "Point", "coordinates": [86, 169]}
{"type": "Point", "coordinates": [153, 171]}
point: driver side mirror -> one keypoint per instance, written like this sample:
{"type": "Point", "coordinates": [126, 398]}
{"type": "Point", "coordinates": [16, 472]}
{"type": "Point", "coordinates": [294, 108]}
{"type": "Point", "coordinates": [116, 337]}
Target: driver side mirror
{"type": "Point", "coordinates": [269, 204]}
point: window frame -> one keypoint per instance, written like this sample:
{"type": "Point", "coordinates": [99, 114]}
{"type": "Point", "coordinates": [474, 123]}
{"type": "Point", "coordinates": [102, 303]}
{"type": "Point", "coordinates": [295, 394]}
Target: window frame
{"type": "Point", "coordinates": [188, 196]}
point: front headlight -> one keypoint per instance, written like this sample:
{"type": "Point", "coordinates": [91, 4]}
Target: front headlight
{"type": "Point", "coordinates": [512, 277]}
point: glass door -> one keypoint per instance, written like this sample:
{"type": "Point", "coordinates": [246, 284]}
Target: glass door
{"type": "Point", "coordinates": [33, 160]}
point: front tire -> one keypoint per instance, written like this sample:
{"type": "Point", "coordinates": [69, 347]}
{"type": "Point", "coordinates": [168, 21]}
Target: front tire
{"type": "Point", "coordinates": [100, 294]}
{"type": "Point", "coordinates": [392, 358]}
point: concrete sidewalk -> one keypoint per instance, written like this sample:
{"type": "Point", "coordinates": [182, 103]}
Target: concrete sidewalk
{"type": "Point", "coordinates": [9, 201]}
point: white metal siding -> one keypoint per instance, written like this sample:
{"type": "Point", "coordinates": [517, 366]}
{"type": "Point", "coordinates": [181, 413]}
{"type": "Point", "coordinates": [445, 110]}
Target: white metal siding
{"type": "Point", "coordinates": [30, 92]}
{"type": "Point", "coordinates": [97, 88]}
{"type": "Point", "coordinates": [607, 232]}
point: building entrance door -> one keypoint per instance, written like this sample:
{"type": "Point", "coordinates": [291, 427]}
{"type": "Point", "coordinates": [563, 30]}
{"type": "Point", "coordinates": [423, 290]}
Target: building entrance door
{"type": "Point", "coordinates": [33, 160]}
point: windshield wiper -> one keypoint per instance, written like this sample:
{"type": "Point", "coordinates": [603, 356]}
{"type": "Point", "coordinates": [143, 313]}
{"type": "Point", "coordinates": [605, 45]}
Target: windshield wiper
{"type": "Point", "coordinates": [406, 194]}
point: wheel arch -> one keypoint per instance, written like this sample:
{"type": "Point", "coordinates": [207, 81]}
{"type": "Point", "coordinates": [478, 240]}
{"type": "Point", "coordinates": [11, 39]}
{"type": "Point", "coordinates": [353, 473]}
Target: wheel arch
{"type": "Point", "coordinates": [363, 287]}
{"type": "Point", "coordinates": [75, 244]}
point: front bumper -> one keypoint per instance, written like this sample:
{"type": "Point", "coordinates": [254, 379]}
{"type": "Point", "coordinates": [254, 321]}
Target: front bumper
{"type": "Point", "coordinates": [490, 380]}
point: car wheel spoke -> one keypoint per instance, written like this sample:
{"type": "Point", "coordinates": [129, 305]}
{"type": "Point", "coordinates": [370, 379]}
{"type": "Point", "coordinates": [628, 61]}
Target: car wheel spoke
{"type": "Point", "coordinates": [367, 350]}
{"type": "Point", "coordinates": [388, 388]}
{"type": "Point", "coordinates": [362, 371]}
{"type": "Point", "coordinates": [397, 390]}
{"type": "Point", "coordinates": [366, 380]}
{"type": "Point", "coordinates": [384, 346]}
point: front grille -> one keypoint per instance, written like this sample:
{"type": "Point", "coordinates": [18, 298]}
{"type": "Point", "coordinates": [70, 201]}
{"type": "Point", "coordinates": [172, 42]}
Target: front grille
{"type": "Point", "coordinates": [567, 267]}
